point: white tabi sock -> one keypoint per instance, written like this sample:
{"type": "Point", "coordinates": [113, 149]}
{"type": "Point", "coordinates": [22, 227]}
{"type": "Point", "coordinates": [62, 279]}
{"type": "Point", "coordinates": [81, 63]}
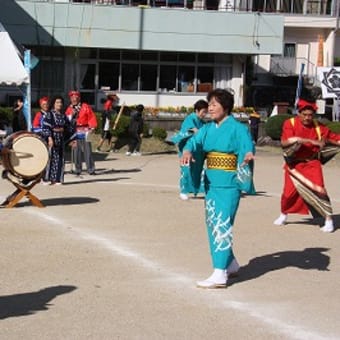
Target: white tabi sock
{"type": "Point", "coordinates": [281, 220]}
{"type": "Point", "coordinates": [328, 227]}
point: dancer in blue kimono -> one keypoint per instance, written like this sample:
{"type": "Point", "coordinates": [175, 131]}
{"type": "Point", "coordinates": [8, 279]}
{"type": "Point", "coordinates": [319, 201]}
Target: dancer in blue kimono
{"type": "Point", "coordinates": [228, 148]}
{"type": "Point", "coordinates": [191, 124]}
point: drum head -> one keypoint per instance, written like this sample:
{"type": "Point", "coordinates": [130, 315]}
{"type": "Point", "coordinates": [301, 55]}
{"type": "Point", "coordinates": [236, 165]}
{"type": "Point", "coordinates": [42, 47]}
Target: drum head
{"type": "Point", "coordinates": [29, 155]}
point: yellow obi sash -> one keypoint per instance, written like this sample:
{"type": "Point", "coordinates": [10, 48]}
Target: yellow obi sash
{"type": "Point", "coordinates": [221, 161]}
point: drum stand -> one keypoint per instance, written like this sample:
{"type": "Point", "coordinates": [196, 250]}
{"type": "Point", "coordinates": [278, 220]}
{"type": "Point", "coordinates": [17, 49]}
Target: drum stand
{"type": "Point", "coordinates": [23, 190]}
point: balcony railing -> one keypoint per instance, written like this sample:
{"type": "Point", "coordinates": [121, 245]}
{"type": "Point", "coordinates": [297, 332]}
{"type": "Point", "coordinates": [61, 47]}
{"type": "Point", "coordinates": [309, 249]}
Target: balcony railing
{"type": "Point", "coordinates": [303, 7]}
{"type": "Point", "coordinates": [284, 66]}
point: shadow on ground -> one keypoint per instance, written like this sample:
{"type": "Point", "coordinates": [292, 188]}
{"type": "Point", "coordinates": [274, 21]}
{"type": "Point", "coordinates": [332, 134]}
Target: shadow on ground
{"type": "Point", "coordinates": [62, 201]}
{"type": "Point", "coordinates": [316, 221]}
{"type": "Point", "coordinates": [29, 303]}
{"type": "Point", "coordinates": [95, 180]}
{"type": "Point", "coordinates": [171, 152]}
{"type": "Point", "coordinates": [309, 258]}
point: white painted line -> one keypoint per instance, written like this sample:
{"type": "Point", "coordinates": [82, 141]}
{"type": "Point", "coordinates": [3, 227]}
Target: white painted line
{"type": "Point", "coordinates": [262, 313]}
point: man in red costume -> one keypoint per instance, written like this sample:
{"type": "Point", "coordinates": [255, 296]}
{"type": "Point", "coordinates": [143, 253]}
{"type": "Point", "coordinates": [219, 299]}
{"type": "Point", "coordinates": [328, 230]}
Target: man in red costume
{"type": "Point", "coordinates": [304, 140]}
{"type": "Point", "coordinates": [84, 120]}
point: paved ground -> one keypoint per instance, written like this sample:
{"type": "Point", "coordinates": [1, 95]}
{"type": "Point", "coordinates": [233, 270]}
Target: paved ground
{"type": "Point", "coordinates": [116, 256]}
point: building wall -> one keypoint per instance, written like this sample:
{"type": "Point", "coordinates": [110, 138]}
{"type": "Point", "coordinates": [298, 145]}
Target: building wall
{"type": "Point", "coordinates": [306, 40]}
{"type": "Point", "coordinates": [77, 25]}
{"type": "Point", "coordinates": [85, 25]}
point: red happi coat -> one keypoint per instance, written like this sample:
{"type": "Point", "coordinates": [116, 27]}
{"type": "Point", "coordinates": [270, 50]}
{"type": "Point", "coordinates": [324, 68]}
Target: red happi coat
{"type": "Point", "coordinates": [309, 168]}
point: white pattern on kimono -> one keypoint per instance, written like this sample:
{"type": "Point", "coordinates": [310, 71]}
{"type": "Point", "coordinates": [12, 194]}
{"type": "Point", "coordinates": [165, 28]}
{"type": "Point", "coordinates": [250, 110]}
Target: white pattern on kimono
{"type": "Point", "coordinates": [221, 229]}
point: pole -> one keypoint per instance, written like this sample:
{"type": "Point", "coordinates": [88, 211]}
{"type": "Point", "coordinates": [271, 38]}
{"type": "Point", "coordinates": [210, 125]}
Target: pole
{"type": "Point", "coordinates": [27, 90]}
{"type": "Point", "coordinates": [299, 86]}
{"type": "Point", "coordinates": [336, 108]}
{"type": "Point", "coordinates": [118, 117]}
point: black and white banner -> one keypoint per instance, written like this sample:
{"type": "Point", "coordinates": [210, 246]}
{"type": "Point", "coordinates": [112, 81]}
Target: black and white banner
{"type": "Point", "coordinates": [330, 81]}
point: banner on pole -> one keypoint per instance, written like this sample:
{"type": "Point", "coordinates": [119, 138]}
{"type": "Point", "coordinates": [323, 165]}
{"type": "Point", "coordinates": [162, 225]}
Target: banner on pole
{"type": "Point", "coordinates": [329, 78]}
{"type": "Point", "coordinates": [299, 85]}
{"type": "Point", "coordinates": [27, 90]}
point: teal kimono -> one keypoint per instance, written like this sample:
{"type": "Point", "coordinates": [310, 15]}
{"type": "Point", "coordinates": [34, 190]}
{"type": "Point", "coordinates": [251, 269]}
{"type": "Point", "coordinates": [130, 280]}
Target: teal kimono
{"type": "Point", "coordinates": [191, 179]}
{"type": "Point", "coordinates": [223, 187]}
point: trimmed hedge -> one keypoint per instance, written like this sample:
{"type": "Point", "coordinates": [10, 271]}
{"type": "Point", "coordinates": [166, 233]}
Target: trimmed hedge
{"type": "Point", "coordinates": [6, 114]}
{"type": "Point", "coordinates": [159, 133]}
{"type": "Point", "coordinates": [273, 126]}
{"type": "Point", "coordinates": [334, 127]}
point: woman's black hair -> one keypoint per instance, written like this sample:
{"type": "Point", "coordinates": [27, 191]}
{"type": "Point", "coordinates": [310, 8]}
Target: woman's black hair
{"type": "Point", "coordinates": [224, 97]}
{"type": "Point", "coordinates": [54, 99]}
{"type": "Point", "coordinates": [200, 104]}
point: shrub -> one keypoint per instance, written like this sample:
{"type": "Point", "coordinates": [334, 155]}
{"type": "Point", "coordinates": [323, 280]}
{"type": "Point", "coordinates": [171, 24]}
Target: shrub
{"type": "Point", "coordinates": [334, 127]}
{"type": "Point", "coordinates": [273, 126]}
{"type": "Point", "coordinates": [159, 133]}
{"type": "Point", "coordinates": [122, 126]}
{"type": "Point", "coordinates": [6, 114]}
{"type": "Point", "coordinates": [146, 130]}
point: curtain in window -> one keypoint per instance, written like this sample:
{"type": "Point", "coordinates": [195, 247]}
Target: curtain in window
{"type": "Point", "coordinates": [222, 76]}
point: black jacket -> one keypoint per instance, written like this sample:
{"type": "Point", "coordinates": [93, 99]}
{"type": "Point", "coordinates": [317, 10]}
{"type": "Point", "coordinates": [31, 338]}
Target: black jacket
{"type": "Point", "coordinates": [136, 123]}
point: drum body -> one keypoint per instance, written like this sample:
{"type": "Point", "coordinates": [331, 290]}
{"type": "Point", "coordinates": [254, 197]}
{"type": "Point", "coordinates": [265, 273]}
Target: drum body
{"type": "Point", "coordinates": [26, 156]}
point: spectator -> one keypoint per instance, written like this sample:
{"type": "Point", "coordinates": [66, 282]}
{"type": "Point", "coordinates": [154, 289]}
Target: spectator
{"type": "Point", "coordinates": [40, 115]}
{"type": "Point", "coordinates": [254, 123]}
{"type": "Point", "coordinates": [56, 128]}
{"type": "Point", "coordinates": [19, 121]}
{"type": "Point", "coordinates": [84, 121]}
{"type": "Point", "coordinates": [111, 101]}
{"type": "Point", "coordinates": [136, 131]}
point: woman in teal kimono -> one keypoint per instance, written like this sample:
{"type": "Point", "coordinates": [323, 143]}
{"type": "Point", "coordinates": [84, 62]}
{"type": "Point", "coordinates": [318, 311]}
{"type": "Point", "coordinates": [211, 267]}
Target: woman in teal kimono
{"type": "Point", "coordinates": [191, 124]}
{"type": "Point", "coordinates": [228, 148]}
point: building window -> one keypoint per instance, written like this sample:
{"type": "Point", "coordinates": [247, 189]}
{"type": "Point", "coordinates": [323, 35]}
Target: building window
{"type": "Point", "coordinates": [205, 77]}
{"type": "Point", "coordinates": [186, 57]}
{"type": "Point", "coordinates": [186, 78]}
{"type": "Point", "coordinates": [168, 56]}
{"type": "Point", "coordinates": [289, 50]}
{"type": "Point", "coordinates": [167, 79]}
{"type": "Point", "coordinates": [206, 58]}
{"type": "Point", "coordinates": [109, 54]}
{"type": "Point", "coordinates": [131, 55]}
{"type": "Point", "coordinates": [147, 55]}
{"type": "Point", "coordinates": [87, 76]}
{"type": "Point", "coordinates": [130, 74]}
{"type": "Point", "coordinates": [48, 76]}
{"type": "Point", "coordinates": [148, 76]}
{"type": "Point", "coordinates": [108, 75]}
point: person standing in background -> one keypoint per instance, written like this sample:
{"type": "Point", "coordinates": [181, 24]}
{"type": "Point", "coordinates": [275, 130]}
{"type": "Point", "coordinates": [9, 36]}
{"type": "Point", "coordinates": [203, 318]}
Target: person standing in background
{"type": "Point", "coordinates": [84, 121]}
{"type": "Point", "coordinates": [254, 123]}
{"type": "Point", "coordinates": [37, 126]}
{"type": "Point", "coordinates": [136, 131]}
{"type": "Point", "coordinates": [56, 129]}
{"type": "Point", "coordinates": [19, 121]}
{"type": "Point", "coordinates": [111, 101]}
{"type": "Point", "coordinates": [40, 115]}
{"type": "Point", "coordinates": [191, 124]}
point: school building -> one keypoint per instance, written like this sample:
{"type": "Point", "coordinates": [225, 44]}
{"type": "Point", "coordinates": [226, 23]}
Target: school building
{"type": "Point", "coordinates": [170, 53]}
